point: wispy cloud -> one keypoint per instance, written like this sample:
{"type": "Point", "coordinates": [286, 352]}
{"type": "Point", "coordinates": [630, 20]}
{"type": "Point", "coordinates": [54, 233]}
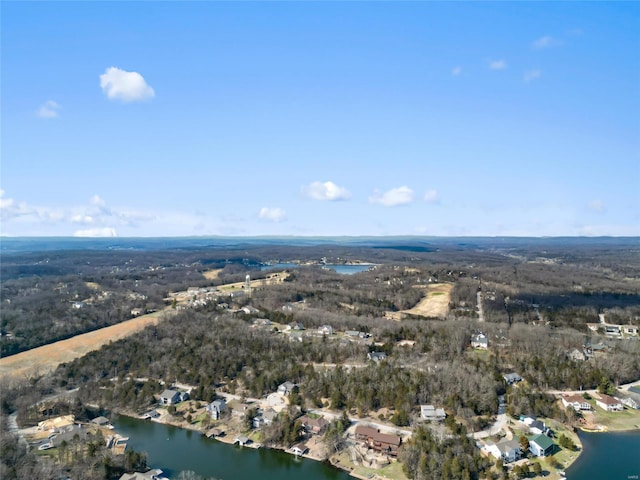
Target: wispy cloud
{"type": "Point", "coordinates": [597, 206]}
{"type": "Point", "coordinates": [49, 109]}
{"type": "Point", "coordinates": [546, 42]}
{"type": "Point", "coordinates": [531, 75]}
{"type": "Point", "coordinates": [118, 84]}
{"type": "Point", "coordinates": [394, 197]}
{"type": "Point", "coordinates": [497, 64]}
{"type": "Point", "coordinates": [272, 214]}
{"type": "Point", "coordinates": [325, 191]}
{"type": "Point", "coordinates": [96, 232]}
{"type": "Point", "coordinates": [431, 196]}
{"type": "Point", "coordinates": [456, 71]}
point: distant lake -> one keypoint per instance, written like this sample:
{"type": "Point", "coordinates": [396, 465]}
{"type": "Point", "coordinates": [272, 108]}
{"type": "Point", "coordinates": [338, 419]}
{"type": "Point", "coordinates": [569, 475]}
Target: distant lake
{"type": "Point", "coordinates": [338, 268]}
{"type": "Point", "coordinates": [174, 450]}
{"type": "Point", "coordinates": [614, 455]}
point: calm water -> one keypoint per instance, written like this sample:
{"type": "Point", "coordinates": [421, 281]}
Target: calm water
{"type": "Point", "coordinates": [607, 456]}
{"type": "Point", "coordinates": [174, 450]}
{"type": "Point", "coordinates": [342, 269]}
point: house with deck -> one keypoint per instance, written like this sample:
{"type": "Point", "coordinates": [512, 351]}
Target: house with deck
{"type": "Point", "coordinates": [541, 445]}
{"type": "Point", "coordinates": [216, 408]}
{"type": "Point", "coordinates": [609, 404]}
{"type": "Point", "coordinates": [577, 402]}
{"type": "Point", "coordinates": [171, 397]}
{"type": "Point", "coordinates": [386, 443]}
{"type": "Point", "coordinates": [507, 450]}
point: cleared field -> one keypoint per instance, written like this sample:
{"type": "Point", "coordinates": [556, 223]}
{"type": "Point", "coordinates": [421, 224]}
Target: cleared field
{"type": "Point", "coordinates": [435, 302]}
{"type": "Point", "coordinates": [212, 274]}
{"type": "Point", "coordinates": [44, 359]}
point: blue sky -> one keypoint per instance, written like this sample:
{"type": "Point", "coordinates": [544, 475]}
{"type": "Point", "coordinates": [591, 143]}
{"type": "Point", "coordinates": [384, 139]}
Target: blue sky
{"type": "Point", "coordinates": [320, 118]}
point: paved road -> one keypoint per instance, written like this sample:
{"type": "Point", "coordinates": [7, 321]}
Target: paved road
{"type": "Point", "coordinates": [493, 429]}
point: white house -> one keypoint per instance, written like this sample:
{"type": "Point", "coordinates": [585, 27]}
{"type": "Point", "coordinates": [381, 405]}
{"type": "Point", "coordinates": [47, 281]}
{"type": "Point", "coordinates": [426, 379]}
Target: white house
{"type": "Point", "coordinates": [577, 402]}
{"type": "Point", "coordinates": [506, 450]}
{"type": "Point", "coordinates": [479, 341]}
{"type": "Point", "coordinates": [609, 404]}
{"type": "Point", "coordinates": [286, 388]}
{"type": "Point", "coordinates": [540, 445]}
{"type": "Point", "coordinates": [429, 412]}
{"type": "Point", "coordinates": [325, 329]}
{"type": "Point", "coordinates": [171, 397]}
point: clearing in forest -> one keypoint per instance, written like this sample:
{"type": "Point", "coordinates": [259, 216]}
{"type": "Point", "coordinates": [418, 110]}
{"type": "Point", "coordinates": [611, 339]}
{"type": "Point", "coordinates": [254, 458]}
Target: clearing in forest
{"type": "Point", "coordinates": [435, 302]}
{"type": "Point", "coordinates": [211, 274]}
{"type": "Point", "coordinates": [40, 360]}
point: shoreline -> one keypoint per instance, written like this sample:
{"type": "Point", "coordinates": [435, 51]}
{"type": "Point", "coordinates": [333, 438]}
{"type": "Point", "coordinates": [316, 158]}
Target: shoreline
{"type": "Point", "coordinates": [229, 440]}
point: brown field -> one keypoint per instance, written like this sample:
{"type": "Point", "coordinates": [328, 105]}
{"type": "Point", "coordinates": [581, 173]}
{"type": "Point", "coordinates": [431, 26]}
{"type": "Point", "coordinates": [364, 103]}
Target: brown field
{"type": "Point", "coordinates": [211, 274]}
{"type": "Point", "coordinates": [435, 303]}
{"type": "Point", "coordinates": [38, 361]}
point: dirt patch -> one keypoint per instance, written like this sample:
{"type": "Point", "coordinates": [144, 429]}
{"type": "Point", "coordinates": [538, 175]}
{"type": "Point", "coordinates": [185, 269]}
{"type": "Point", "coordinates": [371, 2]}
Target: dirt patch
{"type": "Point", "coordinates": [38, 361]}
{"type": "Point", "coordinates": [435, 302]}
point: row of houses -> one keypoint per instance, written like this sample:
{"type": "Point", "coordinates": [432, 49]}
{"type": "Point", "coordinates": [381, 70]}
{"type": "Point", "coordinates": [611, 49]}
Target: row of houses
{"type": "Point", "coordinates": [605, 402]}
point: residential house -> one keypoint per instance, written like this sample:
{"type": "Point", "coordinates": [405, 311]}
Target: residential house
{"type": "Point", "coordinates": [506, 450]}
{"type": "Point", "coordinates": [630, 329]}
{"type": "Point", "coordinates": [265, 417]}
{"type": "Point", "coordinates": [613, 330]}
{"type": "Point", "coordinates": [325, 329]}
{"type": "Point", "coordinates": [429, 412]}
{"type": "Point", "coordinates": [135, 312]}
{"type": "Point", "coordinates": [155, 474]}
{"type": "Point", "coordinates": [171, 397]}
{"type": "Point", "coordinates": [629, 402]}
{"type": "Point", "coordinates": [216, 408]}
{"type": "Point", "coordinates": [537, 427]}
{"type": "Point", "coordinates": [512, 378]}
{"type": "Point", "coordinates": [296, 326]}
{"type": "Point", "coordinates": [381, 442]}
{"type": "Point", "coordinates": [286, 388]}
{"type": "Point", "coordinates": [313, 426]}
{"type": "Point", "coordinates": [240, 409]}
{"type": "Point", "coordinates": [248, 310]}
{"type": "Point", "coordinates": [609, 404]}
{"type": "Point", "coordinates": [540, 445]}
{"type": "Point", "coordinates": [242, 440]}
{"type": "Point", "coordinates": [377, 356]}
{"type": "Point", "coordinates": [577, 402]}
{"type": "Point", "coordinates": [480, 341]}
{"type": "Point", "coordinates": [576, 355]}
{"type": "Point", "coordinates": [57, 423]}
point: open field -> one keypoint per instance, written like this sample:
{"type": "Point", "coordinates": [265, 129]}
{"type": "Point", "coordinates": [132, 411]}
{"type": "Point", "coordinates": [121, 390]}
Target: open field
{"type": "Point", "coordinates": [262, 282]}
{"type": "Point", "coordinates": [598, 419]}
{"type": "Point", "coordinates": [43, 359]}
{"type": "Point", "coordinates": [435, 302]}
{"type": "Point", "coordinates": [211, 274]}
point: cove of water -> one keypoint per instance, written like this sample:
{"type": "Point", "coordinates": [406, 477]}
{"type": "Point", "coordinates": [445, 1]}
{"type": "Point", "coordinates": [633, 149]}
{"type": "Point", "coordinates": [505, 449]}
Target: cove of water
{"type": "Point", "coordinates": [613, 455]}
{"type": "Point", "coordinates": [338, 268]}
{"type": "Point", "coordinates": [174, 450]}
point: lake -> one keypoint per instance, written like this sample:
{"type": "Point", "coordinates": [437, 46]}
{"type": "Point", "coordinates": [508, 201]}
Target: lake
{"type": "Point", "coordinates": [338, 268]}
{"type": "Point", "coordinates": [174, 450]}
{"type": "Point", "coordinates": [613, 455]}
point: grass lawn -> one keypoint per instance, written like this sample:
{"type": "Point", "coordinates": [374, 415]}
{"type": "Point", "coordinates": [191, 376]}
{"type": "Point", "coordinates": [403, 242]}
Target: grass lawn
{"type": "Point", "coordinates": [393, 471]}
{"type": "Point", "coordinates": [628, 419]}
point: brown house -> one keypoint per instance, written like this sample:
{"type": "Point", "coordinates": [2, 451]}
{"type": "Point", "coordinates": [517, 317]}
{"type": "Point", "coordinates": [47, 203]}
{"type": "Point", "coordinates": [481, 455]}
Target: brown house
{"type": "Point", "coordinates": [313, 426]}
{"type": "Point", "coordinates": [382, 442]}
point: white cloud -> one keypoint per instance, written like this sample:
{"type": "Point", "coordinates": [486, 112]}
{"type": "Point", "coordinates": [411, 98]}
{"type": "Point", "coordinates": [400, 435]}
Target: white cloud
{"type": "Point", "coordinates": [96, 232]}
{"type": "Point", "coordinates": [545, 42]}
{"type": "Point", "coordinates": [96, 200]}
{"type": "Point", "coordinates": [9, 208]}
{"type": "Point", "coordinates": [456, 71]}
{"type": "Point", "coordinates": [532, 75]}
{"type": "Point", "coordinates": [497, 64]}
{"type": "Point", "coordinates": [431, 196]}
{"type": "Point", "coordinates": [119, 84]}
{"type": "Point", "coordinates": [394, 197]}
{"type": "Point", "coordinates": [597, 206]}
{"type": "Point", "coordinates": [326, 191]}
{"type": "Point", "coordinates": [49, 109]}
{"type": "Point", "coordinates": [82, 219]}
{"type": "Point", "coordinates": [272, 214]}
